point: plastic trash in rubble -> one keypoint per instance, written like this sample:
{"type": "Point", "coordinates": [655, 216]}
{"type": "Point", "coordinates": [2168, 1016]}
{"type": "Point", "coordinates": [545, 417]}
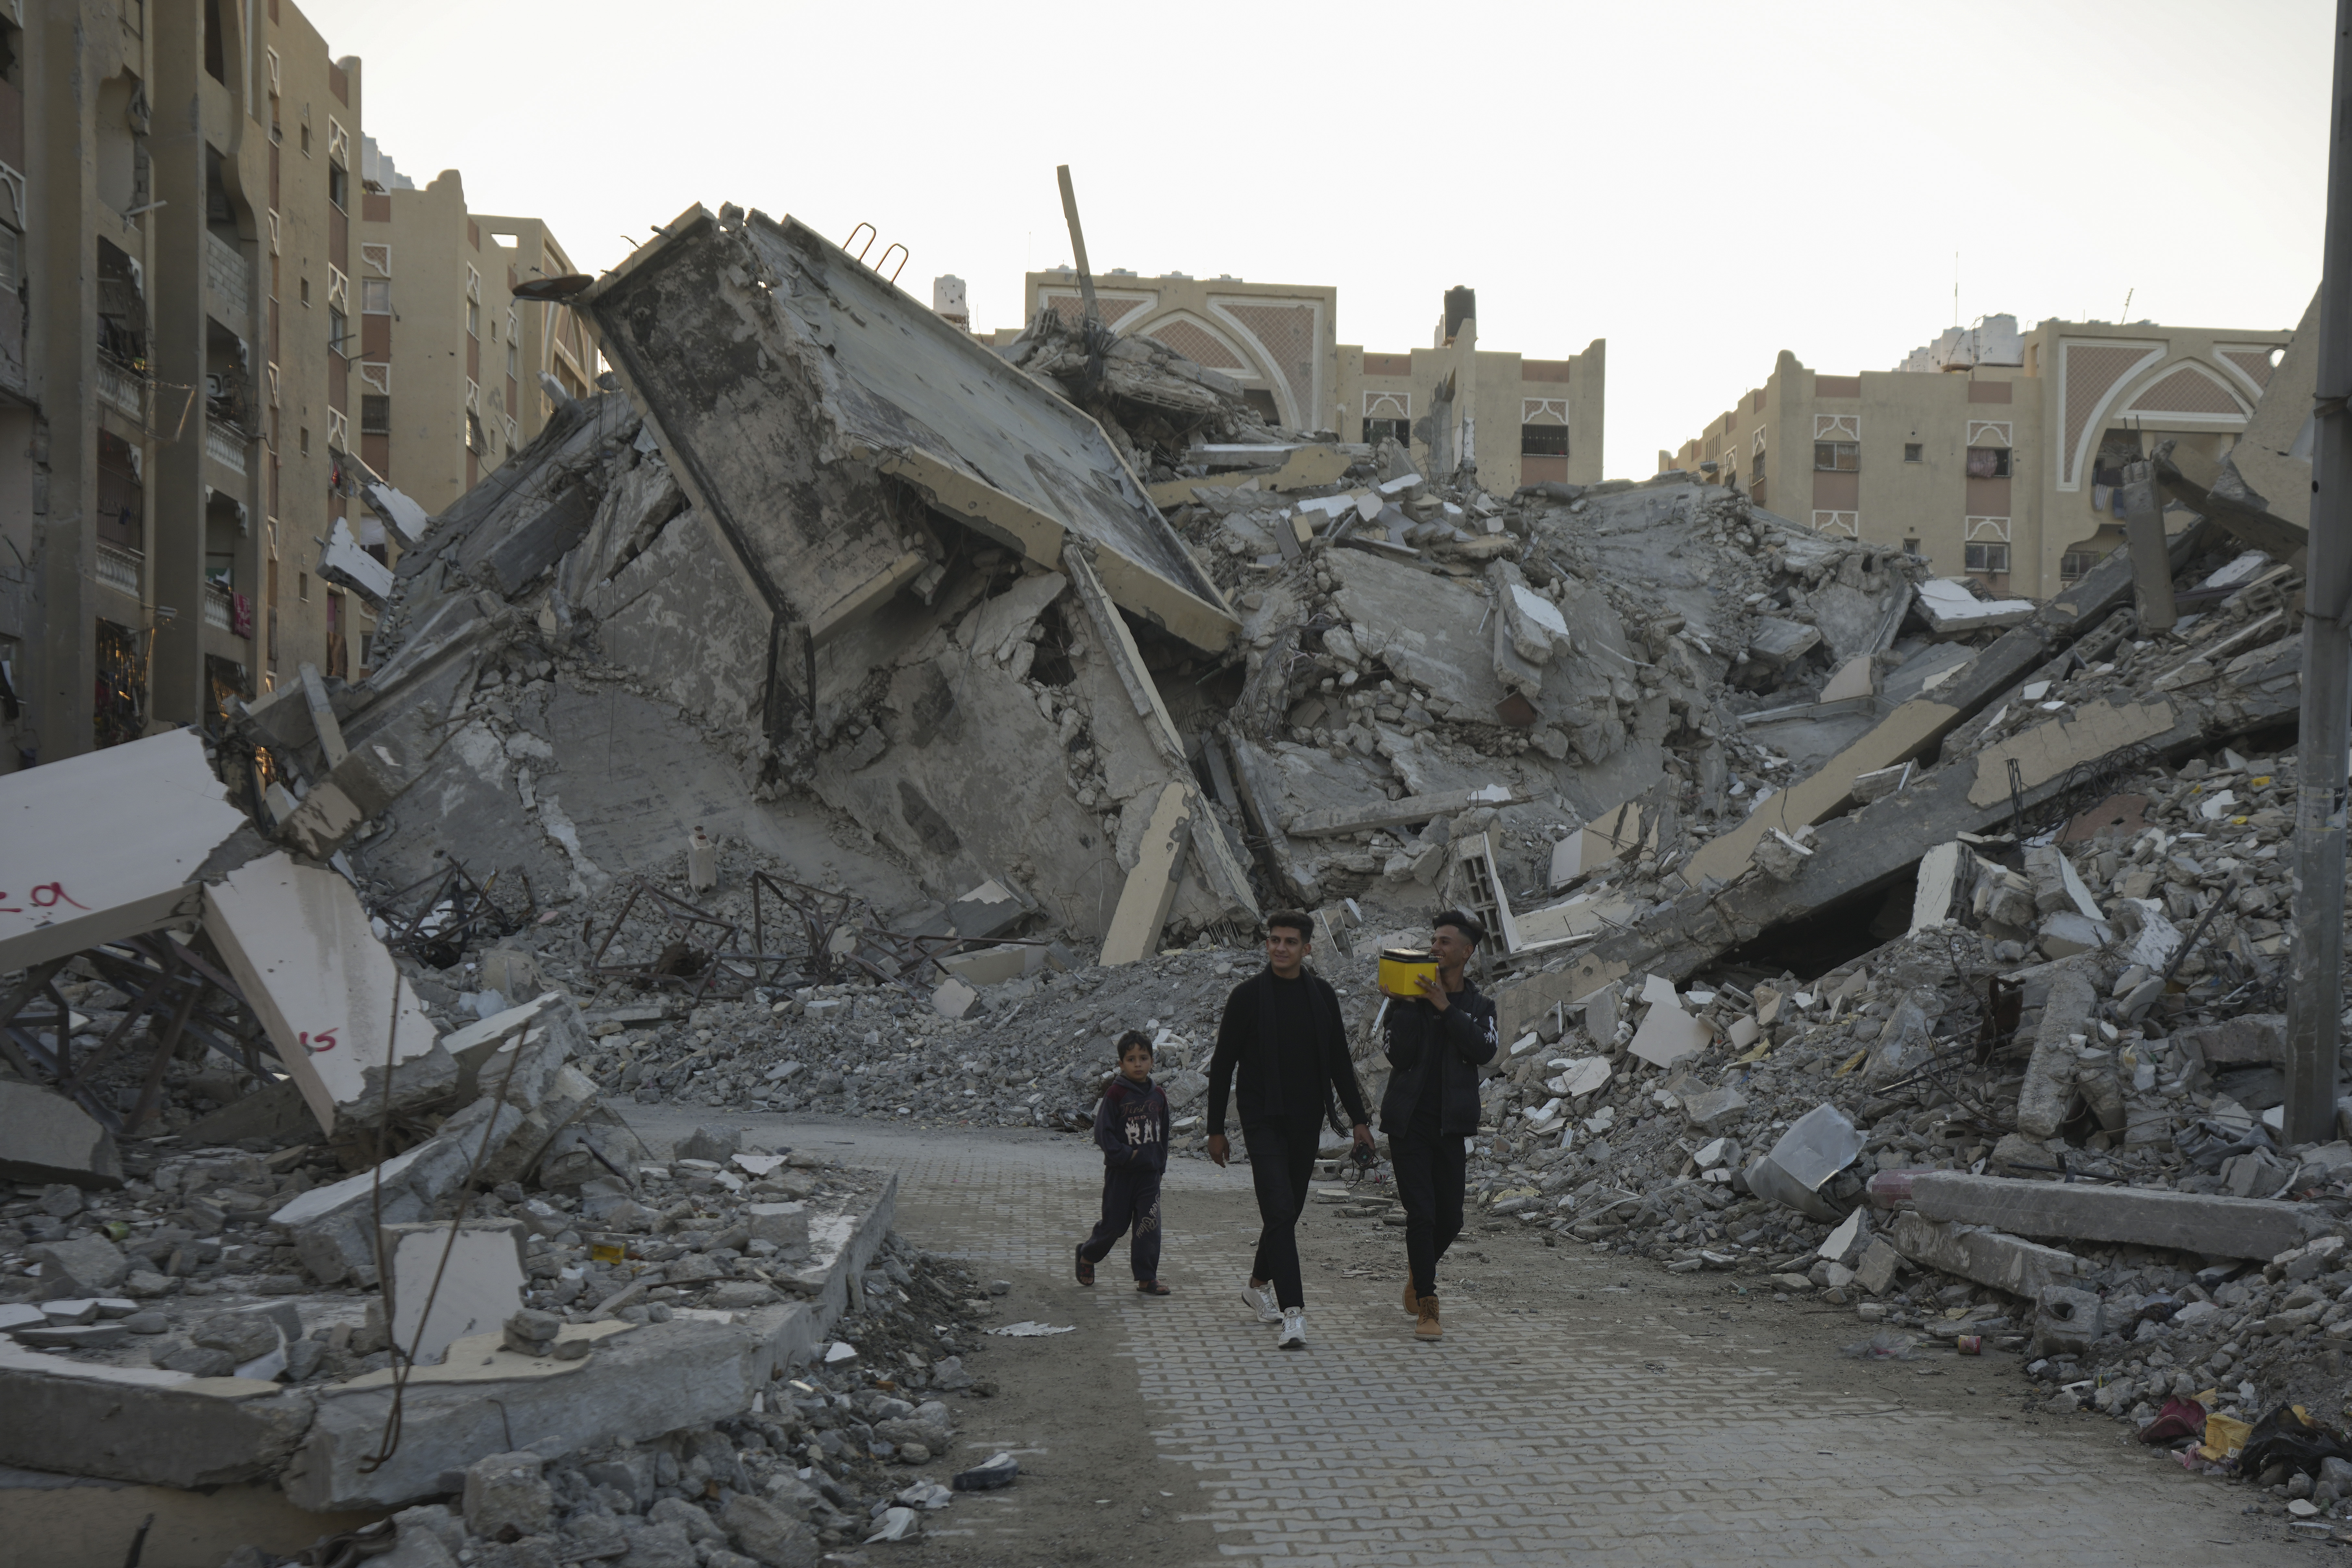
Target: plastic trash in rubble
{"type": "Point", "coordinates": [701, 863]}
{"type": "Point", "coordinates": [994, 1476]}
{"type": "Point", "coordinates": [1031, 1331]}
{"type": "Point", "coordinates": [898, 1524]}
{"type": "Point", "coordinates": [1818, 1147]}
{"type": "Point", "coordinates": [1887, 1344]}
{"type": "Point", "coordinates": [925, 1495]}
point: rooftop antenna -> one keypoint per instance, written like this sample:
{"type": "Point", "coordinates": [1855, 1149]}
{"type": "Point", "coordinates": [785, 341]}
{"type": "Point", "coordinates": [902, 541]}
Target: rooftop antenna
{"type": "Point", "coordinates": [2127, 299]}
{"type": "Point", "coordinates": [1956, 288]}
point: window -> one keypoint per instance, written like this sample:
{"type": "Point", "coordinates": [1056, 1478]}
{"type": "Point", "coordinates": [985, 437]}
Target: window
{"type": "Point", "coordinates": [1837, 456]}
{"type": "Point", "coordinates": [302, 586]}
{"type": "Point", "coordinates": [375, 414]}
{"type": "Point", "coordinates": [514, 361]}
{"type": "Point", "coordinates": [375, 296]}
{"type": "Point", "coordinates": [1911, 452]}
{"type": "Point", "coordinates": [2075, 563]}
{"type": "Point", "coordinates": [1375, 430]}
{"type": "Point", "coordinates": [306, 445]}
{"type": "Point", "coordinates": [12, 259]}
{"type": "Point", "coordinates": [1987, 462]}
{"type": "Point", "coordinates": [306, 141]}
{"type": "Point", "coordinates": [473, 317]}
{"type": "Point", "coordinates": [1756, 468]}
{"type": "Point", "coordinates": [1543, 440]}
{"type": "Point", "coordinates": [1910, 547]}
{"type": "Point", "coordinates": [1990, 558]}
{"type": "Point", "coordinates": [338, 329]}
{"type": "Point", "coordinates": [306, 293]}
{"type": "Point", "coordinates": [338, 186]}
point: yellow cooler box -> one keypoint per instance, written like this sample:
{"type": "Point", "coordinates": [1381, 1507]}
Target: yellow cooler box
{"type": "Point", "coordinates": [1398, 966]}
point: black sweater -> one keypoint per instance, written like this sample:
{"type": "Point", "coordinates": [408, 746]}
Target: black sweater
{"type": "Point", "coordinates": [1455, 1044]}
{"type": "Point", "coordinates": [1131, 1125]}
{"type": "Point", "coordinates": [1245, 1044]}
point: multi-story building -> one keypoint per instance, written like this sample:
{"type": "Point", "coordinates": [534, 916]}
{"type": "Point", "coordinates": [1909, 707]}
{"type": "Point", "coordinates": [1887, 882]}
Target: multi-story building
{"type": "Point", "coordinates": [1520, 420]}
{"type": "Point", "coordinates": [1993, 453]}
{"type": "Point", "coordinates": [175, 383]}
{"type": "Point", "coordinates": [449, 361]}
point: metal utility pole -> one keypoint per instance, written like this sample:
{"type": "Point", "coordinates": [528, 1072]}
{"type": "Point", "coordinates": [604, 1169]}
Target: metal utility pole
{"type": "Point", "coordinates": [2315, 994]}
{"type": "Point", "coordinates": [1077, 242]}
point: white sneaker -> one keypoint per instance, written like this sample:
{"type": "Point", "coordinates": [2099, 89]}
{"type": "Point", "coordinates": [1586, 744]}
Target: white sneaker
{"type": "Point", "coordinates": [1294, 1331]}
{"type": "Point", "coordinates": [1262, 1302]}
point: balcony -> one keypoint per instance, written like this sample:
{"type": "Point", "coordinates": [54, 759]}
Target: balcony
{"type": "Point", "coordinates": [123, 391]}
{"type": "Point", "coordinates": [225, 273]}
{"type": "Point", "coordinates": [226, 444]}
{"type": "Point", "coordinates": [217, 607]}
{"type": "Point", "coordinates": [120, 569]}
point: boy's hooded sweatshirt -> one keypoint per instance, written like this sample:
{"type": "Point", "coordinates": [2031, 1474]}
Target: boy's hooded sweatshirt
{"type": "Point", "coordinates": [1131, 1125]}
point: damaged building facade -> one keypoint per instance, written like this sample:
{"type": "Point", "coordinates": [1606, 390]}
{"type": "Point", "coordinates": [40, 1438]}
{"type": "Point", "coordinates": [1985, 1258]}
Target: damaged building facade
{"type": "Point", "coordinates": [1997, 455]}
{"type": "Point", "coordinates": [1520, 420]}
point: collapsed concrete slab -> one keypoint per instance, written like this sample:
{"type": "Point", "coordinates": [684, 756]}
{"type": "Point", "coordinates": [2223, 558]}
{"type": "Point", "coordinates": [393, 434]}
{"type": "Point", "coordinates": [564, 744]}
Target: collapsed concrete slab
{"type": "Point", "coordinates": [2206, 1223]}
{"type": "Point", "coordinates": [851, 381]}
{"type": "Point", "coordinates": [145, 1425]}
{"type": "Point", "coordinates": [300, 946]}
{"type": "Point", "coordinates": [107, 844]}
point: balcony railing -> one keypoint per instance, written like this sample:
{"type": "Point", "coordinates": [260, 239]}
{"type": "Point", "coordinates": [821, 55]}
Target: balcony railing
{"type": "Point", "coordinates": [216, 607]}
{"type": "Point", "coordinates": [123, 390]}
{"type": "Point", "coordinates": [225, 269]}
{"type": "Point", "coordinates": [227, 446]}
{"type": "Point", "coordinates": [121, 568]}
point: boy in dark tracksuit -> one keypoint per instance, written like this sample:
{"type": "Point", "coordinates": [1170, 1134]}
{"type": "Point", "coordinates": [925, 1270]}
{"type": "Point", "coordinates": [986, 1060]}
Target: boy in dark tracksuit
{"type": "Point", "coordinates": [1131, 1126]}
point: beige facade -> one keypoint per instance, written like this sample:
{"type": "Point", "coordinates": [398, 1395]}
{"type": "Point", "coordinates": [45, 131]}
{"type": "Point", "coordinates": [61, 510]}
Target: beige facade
{"type": "Point", "coordinates": [2005, 472]}
{"type": "Point", "coordinates": [1520, 420]}
{"type": "Point", "coordinates": [169, 170]}
{"type": "Point", "coordinates": [449, 361]}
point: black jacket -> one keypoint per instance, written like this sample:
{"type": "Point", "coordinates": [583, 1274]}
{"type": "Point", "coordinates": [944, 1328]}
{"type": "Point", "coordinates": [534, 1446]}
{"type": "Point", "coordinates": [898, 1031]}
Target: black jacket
{"type": "Point", "coordinates": [1456, 1043]}
{"type": "Point", "coordinates": [1244, 1042]}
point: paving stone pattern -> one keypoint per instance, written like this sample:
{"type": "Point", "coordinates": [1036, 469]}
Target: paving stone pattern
{"type": "Point", "coordinates": [1565, 1434]}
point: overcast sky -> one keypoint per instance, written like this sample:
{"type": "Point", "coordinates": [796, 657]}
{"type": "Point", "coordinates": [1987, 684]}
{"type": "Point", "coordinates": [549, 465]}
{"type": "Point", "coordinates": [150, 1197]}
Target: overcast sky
{"type": "Point", "coordinates": [1701, 185]}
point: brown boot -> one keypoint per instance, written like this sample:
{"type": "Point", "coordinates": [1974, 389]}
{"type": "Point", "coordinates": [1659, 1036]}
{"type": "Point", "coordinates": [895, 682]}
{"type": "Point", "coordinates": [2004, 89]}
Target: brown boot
{"type": "Point", "coordinates": [1411, 1301]}
{"type": "Point", "coordinates": [1427, 1327]}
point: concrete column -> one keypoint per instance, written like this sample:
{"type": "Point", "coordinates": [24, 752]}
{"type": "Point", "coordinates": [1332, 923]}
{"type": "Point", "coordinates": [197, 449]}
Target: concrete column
{"type": "Point", "coordinates": [175, 293]}
{"type": "Point", "coordinates": [62, 69]}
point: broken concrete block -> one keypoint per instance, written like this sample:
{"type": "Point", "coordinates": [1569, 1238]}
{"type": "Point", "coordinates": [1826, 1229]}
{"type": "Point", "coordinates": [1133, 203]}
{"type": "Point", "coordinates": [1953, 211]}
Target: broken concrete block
{"type": "Point", "coordinates": [769, 1533]}
{"type": "Point", "coordinates": [1952, 610]}
{"type": "Point", "coordinates": [1776, 644]}
{"type": "Point", "coordinates": [1876, 1271]}
{"type": "Point", "coordinates": [89, 859]}
{"type": "Point", "coordinates": [1857, 677]}
{"type": "Point", "coordinates": [508, 1491]}
{"type": "Point", "coordinates": [995, 965]}
{"type": "Point", "coordinates": [709, 1142]}
{"type": "Point", "coordinates": [782, 1224]}
{"type": "Point", "coordinates": [88, 1266]}
{"type": "Point", "coordinates": [1982, 1253]}
{"type": "Point", "coordinates": [1401, 813]}
{"type": "Point", "coordinates": [1816, 1147]}
{"type": "Point", "coordinates": [300, 946]}
{"type": "Point", "coordinates": [1716, 1108]}
{"type": "Point", "coordinates": [479, 1286]}
{"type": "Point", "coordinates": [2066, 1321]}
{"type": "Point", "coordinates": [1668, 1034]}
{"type": "Point", "coordinates": [45, 1137]}
{"type": "Point", "coordinates": [2049, 1084]}
{"type": "Point", "coordinates": [1939, 879]}
{"type": "Point", "coordinates": [333, 1225]}
{"type": "Point", "coordinates": [2206, 1223]}
{"type": "Point", "coordinates": [951, 998]}
{"type": "Point", "coordinates": [1150, 888]}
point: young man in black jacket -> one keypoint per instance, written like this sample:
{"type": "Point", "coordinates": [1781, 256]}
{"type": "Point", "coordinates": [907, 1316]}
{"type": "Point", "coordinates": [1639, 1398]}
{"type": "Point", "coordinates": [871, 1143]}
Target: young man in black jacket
{"type": "Point", "coordinates": [1282, 1030]}
{"type": "Point", "coordinates": [1437, 1041]}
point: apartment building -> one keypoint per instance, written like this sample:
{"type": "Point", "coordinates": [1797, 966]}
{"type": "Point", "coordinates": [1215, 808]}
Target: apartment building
{"type": "Point", "coordinates": [1995, 453]}
{"type": "Point", "coordinates": [175, 190]}
{"type": "Point", "coordinates": [449, 361]}
{"type": "Point", "coordinates": [1519, 419]}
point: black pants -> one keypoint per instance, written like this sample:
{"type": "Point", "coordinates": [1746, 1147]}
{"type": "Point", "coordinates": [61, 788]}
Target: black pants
{"type": "Point", "coordinates": [1131, 1197]}
{"type": "Point", "coordinates": [1429, 1170]}
{"type": "Point", "coordinates": [1282, 1164]}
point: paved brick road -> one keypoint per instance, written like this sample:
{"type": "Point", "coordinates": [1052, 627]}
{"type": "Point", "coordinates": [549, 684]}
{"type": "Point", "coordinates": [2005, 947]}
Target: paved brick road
{"type": "Point", "coordinates": [1595, 1423]}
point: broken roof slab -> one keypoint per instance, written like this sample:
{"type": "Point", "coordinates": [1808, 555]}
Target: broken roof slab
{"type": "Point", "coordinates": [299, 944]}
{"type": "Point", "coordinates": [105, 846]}
{"type": "Point", "coordinates": [783, 378]}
